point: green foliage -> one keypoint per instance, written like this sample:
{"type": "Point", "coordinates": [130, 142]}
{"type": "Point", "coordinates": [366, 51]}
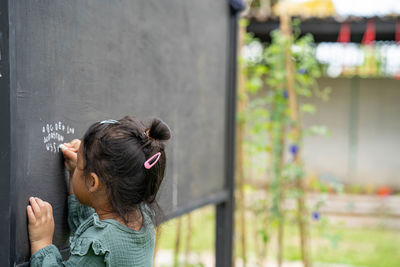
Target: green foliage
{"type": "Point", "coordinates": [292, 171]}
{"type": "Point", "coordinates": [308, 108]}
{"type": "Point", "coordinates": [267, 117]}
{"type": "Point", "coordinates": [317, 130]}
{"type": "Point", "coordinates": [243, 23]}
{"type": "Point", "coordinates": [254, 84]}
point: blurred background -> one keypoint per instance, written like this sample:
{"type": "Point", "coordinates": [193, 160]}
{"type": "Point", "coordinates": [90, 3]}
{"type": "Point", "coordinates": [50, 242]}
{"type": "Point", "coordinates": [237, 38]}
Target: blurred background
{"type": "Point", "coordinates": [317, 169]}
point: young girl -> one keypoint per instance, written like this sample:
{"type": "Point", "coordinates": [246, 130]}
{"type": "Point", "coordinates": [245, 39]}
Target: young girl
{"type": "Point", "coordinates": [115, 173]}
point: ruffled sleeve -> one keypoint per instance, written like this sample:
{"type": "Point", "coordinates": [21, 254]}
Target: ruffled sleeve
{"type": "Point", "coordinates": [50, 257]}
{"type": "Point", "coordinates": [77, 213]}
{"type": "Point", "coordinates": [95, 248]}
{"type": "Point", "coordinates": [47, 256]}
{"type": "Point", "coordinates": [87, 248]}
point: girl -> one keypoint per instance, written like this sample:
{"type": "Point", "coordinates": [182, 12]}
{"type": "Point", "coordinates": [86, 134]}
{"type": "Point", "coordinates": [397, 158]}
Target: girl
{"type": "Point", "coordinates": [115, 173]}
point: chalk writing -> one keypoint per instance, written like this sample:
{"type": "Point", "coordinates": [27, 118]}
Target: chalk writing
{"type": "Point", "coordinates": [54, 135]}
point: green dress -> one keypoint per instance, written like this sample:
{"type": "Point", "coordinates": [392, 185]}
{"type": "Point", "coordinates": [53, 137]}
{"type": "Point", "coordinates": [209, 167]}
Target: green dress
{"type": "Point", "coordinates": [96, 242]}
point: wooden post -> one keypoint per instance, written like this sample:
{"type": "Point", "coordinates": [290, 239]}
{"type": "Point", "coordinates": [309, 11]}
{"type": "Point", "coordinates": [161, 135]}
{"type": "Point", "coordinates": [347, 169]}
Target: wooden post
{"type": "Point", "coordinates": [157, 244]}
{"type": "Point", "coordinates": [188, 238]}
{"type": "Point", "coordinates": [282, 186]}
{"type": "Point", "coordinates": [296, 133]}
{"type": "Point", "coordinates": [177, 241]}
{"type": "Point", "coordinates": [241, 107]}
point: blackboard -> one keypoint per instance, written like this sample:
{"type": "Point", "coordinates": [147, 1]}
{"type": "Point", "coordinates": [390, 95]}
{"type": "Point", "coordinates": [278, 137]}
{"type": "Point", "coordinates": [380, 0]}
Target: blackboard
{"type": "Point", "coordinates": [73, 63]}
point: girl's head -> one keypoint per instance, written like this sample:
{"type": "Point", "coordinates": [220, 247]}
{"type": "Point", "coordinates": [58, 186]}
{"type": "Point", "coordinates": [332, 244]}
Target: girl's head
{"type": "Point", "coordinates": [116, 152]}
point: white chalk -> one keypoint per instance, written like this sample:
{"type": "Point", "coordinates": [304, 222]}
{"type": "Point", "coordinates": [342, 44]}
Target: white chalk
{"type": "Point", "coordinates": [61, 147]}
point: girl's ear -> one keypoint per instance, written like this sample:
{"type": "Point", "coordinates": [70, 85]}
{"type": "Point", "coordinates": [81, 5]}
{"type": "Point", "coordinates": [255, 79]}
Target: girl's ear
{"type": "Point", "coordinates": [93, 182]}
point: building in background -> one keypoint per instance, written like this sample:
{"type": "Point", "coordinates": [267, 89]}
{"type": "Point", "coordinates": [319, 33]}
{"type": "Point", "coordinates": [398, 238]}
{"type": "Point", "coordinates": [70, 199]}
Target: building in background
{"type": "Point", "coordinates": [358, 46]}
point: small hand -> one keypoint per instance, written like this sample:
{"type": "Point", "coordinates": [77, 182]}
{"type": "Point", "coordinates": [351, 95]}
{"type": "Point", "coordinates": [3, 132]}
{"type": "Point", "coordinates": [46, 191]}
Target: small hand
{"type": "Point", "coordinates": [70, 152]}
{"type": "Point", "coordinates": [40, 224]}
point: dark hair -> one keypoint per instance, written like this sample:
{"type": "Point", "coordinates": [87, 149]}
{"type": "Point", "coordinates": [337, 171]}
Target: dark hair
{"type": "Point", "coordinates": [116, 152]}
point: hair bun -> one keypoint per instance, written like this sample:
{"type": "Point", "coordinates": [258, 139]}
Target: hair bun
{"type": "Point", "coordinates": [159, 130]}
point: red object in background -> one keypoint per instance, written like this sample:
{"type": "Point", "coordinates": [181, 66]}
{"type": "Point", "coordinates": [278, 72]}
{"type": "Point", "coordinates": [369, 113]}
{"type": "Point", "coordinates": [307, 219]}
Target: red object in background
{"type": "Point", "coordinates": [369, 35]}
{"type": "Point", "coordinates": [344, 34]}
{"type": "Point", "coordinates": [384, 191]}
{"type": "Point", "coordinates": [397, 75]}
{"type": "Point", "coordinates": [397, 34]}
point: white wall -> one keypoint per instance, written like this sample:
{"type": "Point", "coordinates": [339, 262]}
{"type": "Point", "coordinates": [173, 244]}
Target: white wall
{"type": "Point", "coordinates": [364, 118]}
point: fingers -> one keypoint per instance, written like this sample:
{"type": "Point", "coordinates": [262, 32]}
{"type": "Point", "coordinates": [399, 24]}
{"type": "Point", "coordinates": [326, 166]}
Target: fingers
{"type": "Point", "coordinates": [42, 206]}
{"type": "Point", "coordinates": [39, 202]}
{"type": "Point", "coordinates": [35, 207]}
{"type": "Point", "coordinates": [31, 215]}
{"type": "Point", "coordinates": [41, 223]}
{"type": "Point", "coordinates": [69, 154]}
{"type": "Point", "coordinates": [76, 143]}
{"type": "Point", "coordinates": [38, 209]}
{"type": "Point", "coordinates": [70, 147]}
{"type": "Point", "coordinates": [73, 145]}
{"type": "Point", "coordinates": [49, 209]}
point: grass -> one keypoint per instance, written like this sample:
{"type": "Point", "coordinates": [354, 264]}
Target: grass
{"type": "Point", "coordinates": [202, 235]}
{"type": "Point", "coordinates": [355, 246]}
{"type": "Point", "coordinates": [372, 247]}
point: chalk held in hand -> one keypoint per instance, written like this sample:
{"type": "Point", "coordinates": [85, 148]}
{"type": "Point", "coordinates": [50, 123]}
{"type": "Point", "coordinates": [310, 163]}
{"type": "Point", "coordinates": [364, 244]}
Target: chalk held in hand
{"type": "Point", "coordinates": [62, 147]}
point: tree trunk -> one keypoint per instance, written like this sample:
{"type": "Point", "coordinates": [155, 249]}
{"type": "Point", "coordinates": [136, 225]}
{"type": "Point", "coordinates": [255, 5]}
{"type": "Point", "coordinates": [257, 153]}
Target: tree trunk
{"type": "Point", "coordinates": [177, 241]}
{"type": "Point", "coordinates": [188, 238]}
{"type": "Point", "coordinates": [296, 133]}
{"type": "Point", "coordinates": [241, 107]}
{"type": "Point", "coordinates": [157, 245]}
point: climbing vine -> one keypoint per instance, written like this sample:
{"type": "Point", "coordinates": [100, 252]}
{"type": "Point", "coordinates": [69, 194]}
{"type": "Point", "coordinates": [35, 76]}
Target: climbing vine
{"type": "Point", "coordinates": [269, 121]}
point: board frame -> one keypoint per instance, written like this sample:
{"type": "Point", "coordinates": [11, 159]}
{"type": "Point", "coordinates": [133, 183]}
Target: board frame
{"type": "Point", "coordinates": [6, 155]}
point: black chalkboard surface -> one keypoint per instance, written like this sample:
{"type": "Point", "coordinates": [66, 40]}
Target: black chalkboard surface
{"type": "Point", "coordinates": [73, 63]}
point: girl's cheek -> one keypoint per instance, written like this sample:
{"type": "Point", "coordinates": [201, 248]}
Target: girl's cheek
{"type": "Point", "coordinates": [75, 185]}
{"type": "Point", "coordinates": [77, 191]}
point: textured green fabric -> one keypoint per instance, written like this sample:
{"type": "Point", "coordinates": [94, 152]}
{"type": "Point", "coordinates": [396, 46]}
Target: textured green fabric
{"type": "Point", "coordinates": [96, 242]}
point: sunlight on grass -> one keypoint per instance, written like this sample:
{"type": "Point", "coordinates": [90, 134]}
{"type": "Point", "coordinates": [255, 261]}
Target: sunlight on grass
{"type": "Point", "coordinates": [202, 236]}
{"type": "Point", "coordinates": [332, 244]}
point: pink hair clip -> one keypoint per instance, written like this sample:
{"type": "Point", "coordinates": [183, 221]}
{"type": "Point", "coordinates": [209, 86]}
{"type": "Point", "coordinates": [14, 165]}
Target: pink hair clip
{"type": "Point", "coordinates": [147, 164]}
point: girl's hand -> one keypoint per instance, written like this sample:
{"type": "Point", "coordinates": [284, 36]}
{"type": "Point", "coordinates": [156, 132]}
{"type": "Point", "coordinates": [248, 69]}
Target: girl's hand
{"type": "Point", "coordinates": [70, 152]}
{"type": "Point", "coordinates": [40, 224]}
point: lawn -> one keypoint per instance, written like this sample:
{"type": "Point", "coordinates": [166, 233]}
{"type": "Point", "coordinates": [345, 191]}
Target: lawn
{"type": "Point", "coordinates": [337, 243]}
